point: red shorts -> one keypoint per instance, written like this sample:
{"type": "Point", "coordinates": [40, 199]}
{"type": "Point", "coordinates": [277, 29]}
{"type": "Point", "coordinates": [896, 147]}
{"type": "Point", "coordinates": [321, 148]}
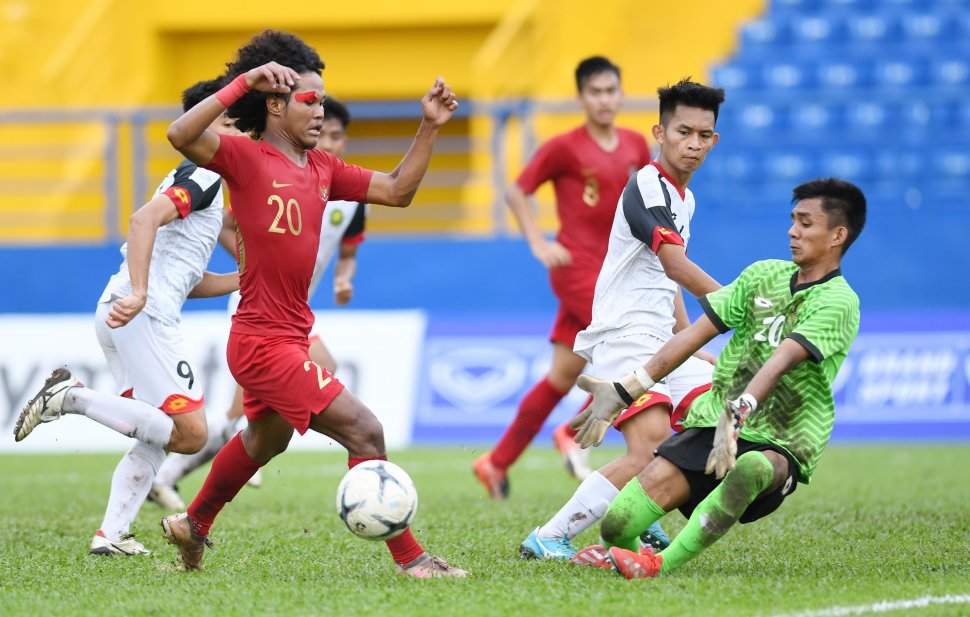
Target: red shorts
{"type": "Point", "coordinates": [566, 327]}
{"type": "Point", "coordinates": [277, 376]}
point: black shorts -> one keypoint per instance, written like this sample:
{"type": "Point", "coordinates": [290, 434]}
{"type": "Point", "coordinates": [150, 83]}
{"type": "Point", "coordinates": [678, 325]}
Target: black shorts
{"type": "Point", "coordinates": [689, 450]}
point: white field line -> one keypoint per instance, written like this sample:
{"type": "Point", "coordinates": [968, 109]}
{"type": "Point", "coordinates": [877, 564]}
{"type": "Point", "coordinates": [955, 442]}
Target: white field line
{"type": "Point", "coordinates": [882, 607]}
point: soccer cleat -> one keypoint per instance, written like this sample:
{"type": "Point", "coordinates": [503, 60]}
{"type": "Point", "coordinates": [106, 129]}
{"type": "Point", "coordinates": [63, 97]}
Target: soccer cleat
{"type": "Point", "coordinates": [167, 497]}
{"type": "Point", "coordinates": [594, 556]}
{"type": "Point", "coordinates": [655, 538]}
{"type": "Point", "coordinates": [101, 545]}
{"type": "Point", "coordinates": [534, 547]}
{"type": "Point", "coordinates": [575, 459]}
{"type": "Point", "coordinates": [46, 404]}
{"type": "Point", "coordinates": [645, 564]}
{"type": "Point", "coordinates": [427, 566]}
{"type": "Point", "coordinates": [256, 481]}
{"type": "Point", "coordinates": [178, 531]}
{"type": "Point", "coordinates": [492, 478]}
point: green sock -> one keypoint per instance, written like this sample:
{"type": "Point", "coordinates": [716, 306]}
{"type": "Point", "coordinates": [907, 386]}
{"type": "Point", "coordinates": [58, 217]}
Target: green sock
{"type": "Point", "coordinates": [720, 510]}
{"type": "Point", "coordinates": [629, 515]}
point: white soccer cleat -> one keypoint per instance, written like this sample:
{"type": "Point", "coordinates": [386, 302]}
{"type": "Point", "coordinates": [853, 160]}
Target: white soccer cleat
{"type": "Point", "coordinates": [166, 497]}
{"type": "Point", "coordinates": [46, 404]}
{"type": "Point", "coordinates": [574, 458]}
{"type": "Point", "coordinates": [127, 546]}
{"type": "Point", "coordinates": [257, 480]}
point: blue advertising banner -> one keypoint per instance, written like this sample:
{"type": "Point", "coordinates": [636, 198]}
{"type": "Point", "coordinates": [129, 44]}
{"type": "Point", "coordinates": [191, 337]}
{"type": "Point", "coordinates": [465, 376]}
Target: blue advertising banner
{"type": "Point", "coordinates": [894, 385]}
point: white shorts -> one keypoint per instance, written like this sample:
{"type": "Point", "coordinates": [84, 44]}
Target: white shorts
{"type": "Point", "coordinates": [148, 362]}
{"type": "Point", "coordinates": [614, 358]}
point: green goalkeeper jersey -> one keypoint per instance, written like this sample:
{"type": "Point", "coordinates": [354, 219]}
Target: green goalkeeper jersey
{"type": "Point", "coordinates": [764, 306]}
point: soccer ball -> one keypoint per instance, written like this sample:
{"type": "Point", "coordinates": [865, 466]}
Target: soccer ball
{"type": "Point", "coordinates": [377, 500]}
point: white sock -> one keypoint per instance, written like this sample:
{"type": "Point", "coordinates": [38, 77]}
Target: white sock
{"type": "Point", "coordinates": [130, 417]}
{"type": "Point", "coordinates": [587, 505]}
{"type": "Point", "coordinates": [129, 487]}
{"type": "Point", "coordinates": [177, 466]}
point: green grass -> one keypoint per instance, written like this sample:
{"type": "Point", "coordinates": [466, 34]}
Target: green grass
{"type": "Point", "coordinates": [877, 524]}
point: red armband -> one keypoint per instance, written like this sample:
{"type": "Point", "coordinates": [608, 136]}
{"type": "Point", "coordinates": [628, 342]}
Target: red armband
{"type": "Point", "coordinates": [234, 91]}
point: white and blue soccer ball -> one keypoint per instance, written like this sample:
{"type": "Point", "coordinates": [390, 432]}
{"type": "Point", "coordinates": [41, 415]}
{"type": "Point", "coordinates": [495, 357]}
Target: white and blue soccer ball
{"type": "Point", "coordinates": [377, 500]}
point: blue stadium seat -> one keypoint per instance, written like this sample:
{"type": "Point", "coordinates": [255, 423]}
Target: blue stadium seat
{"type": "Point", "coordinates": [733, 165]}
{"type": "Point", "coordinates": [951, 72]}
{"type": "Point", "coordinates": [812, 122]}
{"type": "Point", "coordinates": [764, 33]}
{"type": "Point", "coordinates": [850, 164]}
{"type": "Point", "coordinates": [816, 31]}
{"type": "Point", "coordinates": [790, 164]}
{"type": "Point", "coordinates": [844, 74]}
{"type": "Point", "coordinates": [868, 32]}
{"type": "Point", "coordinates": [734, 77]}
{"type": "Point", "coordinates": [867, 119]}
{"type": "Point", "coordinates": [900, 73]}
{"type": "Point", "coordinates": [786, 75]}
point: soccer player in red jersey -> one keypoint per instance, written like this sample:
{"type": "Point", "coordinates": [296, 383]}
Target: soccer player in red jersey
{"type": "Point", "coordinates": [280, 186]}
{"type": "Point", "coordinates": [588, 166]}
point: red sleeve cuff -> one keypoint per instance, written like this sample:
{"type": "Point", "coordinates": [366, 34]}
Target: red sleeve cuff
{"type": "Point", "coordinates": [181, 198]}
{"type": "Point", "coordinates": [662, 235]}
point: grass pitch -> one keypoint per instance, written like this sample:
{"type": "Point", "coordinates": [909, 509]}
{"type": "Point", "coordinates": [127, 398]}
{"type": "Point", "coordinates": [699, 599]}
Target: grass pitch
{"type": "Point", "coordinates": [878, 524]}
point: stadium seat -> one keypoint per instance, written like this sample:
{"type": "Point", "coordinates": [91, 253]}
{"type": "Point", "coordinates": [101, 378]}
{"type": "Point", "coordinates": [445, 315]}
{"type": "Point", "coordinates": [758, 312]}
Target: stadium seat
{"type": "Point", "coordinates": [843, 74]}
{"type": "Point", "coordinates": [854, 165]}
{"type": "Point", "coordinates": [786, 75]}
{"type": "Point", "coordinates": [950, 72]}
{"type": "Point", "coordinates": [733, 77]}
{"type": "Point", "coordinates": [789, 164]}
{"type": "Point", "coordinates": [869, 32]}
{"type": "Point", "coordinates": [815, 122]}
{"type": "Point", "coordinates": [900, 73]}
{"type": "Point", "coordinates": [868, 119]}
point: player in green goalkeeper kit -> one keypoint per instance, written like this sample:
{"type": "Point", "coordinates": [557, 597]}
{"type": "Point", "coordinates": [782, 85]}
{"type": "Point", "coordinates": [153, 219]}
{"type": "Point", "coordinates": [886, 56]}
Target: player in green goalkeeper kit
{"type": "Point", "coordinates": [762, 427]}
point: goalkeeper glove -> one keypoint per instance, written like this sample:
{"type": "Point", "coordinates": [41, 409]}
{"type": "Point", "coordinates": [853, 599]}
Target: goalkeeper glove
{"type": "Point", "coordinates": [609, 399]}
{"type": "Point", "coordinates": [722, 457]}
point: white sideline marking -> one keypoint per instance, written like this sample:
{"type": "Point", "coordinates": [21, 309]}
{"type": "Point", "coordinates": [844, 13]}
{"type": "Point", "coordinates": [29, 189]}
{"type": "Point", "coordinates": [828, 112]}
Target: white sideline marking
{"type": "Point", "coordinates": [882, 607]}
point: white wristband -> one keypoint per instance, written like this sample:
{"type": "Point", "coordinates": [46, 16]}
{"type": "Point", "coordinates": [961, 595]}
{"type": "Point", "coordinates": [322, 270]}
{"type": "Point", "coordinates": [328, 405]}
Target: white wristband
{"type": "Point", "coordinates": [645, 380]}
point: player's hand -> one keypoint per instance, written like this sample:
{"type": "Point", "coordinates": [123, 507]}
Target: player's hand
{"type": "Point", "coordinates": [343, 290]}
{"type": "Point", "coordinates": [700, 354]}
{"type": "Point", "coordinates": [439, 103]}
{"type": "Point", "coordinates": [551, 254]}
{"type": "Point", "coordinates": [272, 77]}
{"type": "Point", "coordinates": [124, 310]}
{"type": "Point", "coordinates": [723, 455]}
{"type": "Point", "coordinates": [593, 422]}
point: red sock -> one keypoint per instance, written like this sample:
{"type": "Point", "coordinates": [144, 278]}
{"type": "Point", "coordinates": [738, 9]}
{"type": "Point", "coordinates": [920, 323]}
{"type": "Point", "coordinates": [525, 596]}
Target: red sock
{"type": "Point", "coordinates": [570, 431]}
{"type": "Point", "coordinates": [404, 548]}
{"type": "Point", "coordinates": [533, 411]}
{"type": "Point", "coordinates": [231, 469]}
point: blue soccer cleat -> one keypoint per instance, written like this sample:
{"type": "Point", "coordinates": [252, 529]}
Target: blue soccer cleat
{"type": "Point", "coordinates": [535, 547]}
{"type": "Point", "coordinates": [655, 538]}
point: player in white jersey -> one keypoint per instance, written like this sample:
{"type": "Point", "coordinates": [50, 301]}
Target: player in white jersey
{"type": "Point", "coordinates": [341, 234]}
{"type": "Point", "coordinates": [159, 398]}
{"type": "Point", "coordinates": [637, 306]}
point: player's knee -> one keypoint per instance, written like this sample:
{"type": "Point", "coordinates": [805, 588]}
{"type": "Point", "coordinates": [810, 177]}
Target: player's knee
{"type": "Point", "coordinates": [189, 434]}
{"type": "Point", "coordinates": [752, 474]}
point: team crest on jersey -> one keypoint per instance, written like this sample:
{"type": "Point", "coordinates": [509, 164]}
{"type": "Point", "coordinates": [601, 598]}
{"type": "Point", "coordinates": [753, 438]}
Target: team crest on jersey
{"type": "Point", "coordinates": [763, 302]}
{"type": "Point", "coordinates": [336, 217]}
{"type": "Point", "coordinates": [324, 192]}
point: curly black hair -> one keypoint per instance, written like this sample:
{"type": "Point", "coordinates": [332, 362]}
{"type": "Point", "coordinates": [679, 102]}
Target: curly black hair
{"type": "Point", "coordinates": [267, 46]}
{"type": "Point", "coordinates": [198, 92]}
{"type": "Point", "coordinates": [690, 94]}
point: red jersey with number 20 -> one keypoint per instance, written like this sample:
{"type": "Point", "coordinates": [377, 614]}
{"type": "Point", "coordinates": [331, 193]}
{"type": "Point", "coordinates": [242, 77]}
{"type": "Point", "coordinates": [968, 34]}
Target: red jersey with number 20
{"type": "Point", "coordinates": [279, 209]}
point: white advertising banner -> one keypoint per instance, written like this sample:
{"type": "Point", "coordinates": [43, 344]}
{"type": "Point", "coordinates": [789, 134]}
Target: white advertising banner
{"type": "Point", "coordinates": [377, 352]}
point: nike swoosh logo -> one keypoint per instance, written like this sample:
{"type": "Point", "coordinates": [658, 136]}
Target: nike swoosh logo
{"type": "Point", "coordinates": [277, 185]}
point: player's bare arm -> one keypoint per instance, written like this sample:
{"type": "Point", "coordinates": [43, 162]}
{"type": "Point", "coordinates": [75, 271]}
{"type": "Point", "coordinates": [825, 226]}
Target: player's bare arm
{"type": "Point", "coordinates": [190, 133]}
{"type": "Point", "coordinates": [142, 228]}
{"type": "Point", "coordinates": [343, 274]}
{"type": "Point", "coordinates": [788, 355]}
{"type": "Point", "coordinates": [550, 253]}
{"type": "Point", "coordinates": [684, 272]}
{"type": "Point", "coordinates": [610, 398]}
{"type": "Point", "coordinates": [398, 187]}
{"type": "Point", "coordinates": [213, 284]}
{"type": "Point", "coordinates": [227, 235]}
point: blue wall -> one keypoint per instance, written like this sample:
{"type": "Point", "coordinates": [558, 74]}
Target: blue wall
{"type": "Point", "coordinates": [906, 264]}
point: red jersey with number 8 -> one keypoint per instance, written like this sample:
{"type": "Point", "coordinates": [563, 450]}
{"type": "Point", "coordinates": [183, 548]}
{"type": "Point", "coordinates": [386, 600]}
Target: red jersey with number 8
{"type": "Point", "coordinates": [279, 210]}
